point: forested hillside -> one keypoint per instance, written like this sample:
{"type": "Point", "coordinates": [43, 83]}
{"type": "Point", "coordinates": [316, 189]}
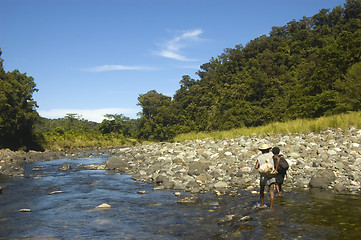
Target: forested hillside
{"type": "Point", "coordinates": [305, 69]}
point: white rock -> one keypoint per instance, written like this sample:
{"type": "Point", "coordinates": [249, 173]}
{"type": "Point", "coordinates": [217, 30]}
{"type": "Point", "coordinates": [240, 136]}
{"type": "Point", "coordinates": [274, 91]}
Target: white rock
{"type": "Point", "coordinates": [331, 152]}
{"type": "Point", "coordinates": [228, 154]}
{"type": "Point", "coordinates": [55, 192]}
{"type": "Point", "coordinates": [246, 169]}
{"type": "Point", "coordinates": [221, 184]}
{"type": "Point", "coordinates": [123, 149]}
{"type": "Point", "coordinates": [294, 155]}
{"type": "Point", "coordinates": [104, 205]}
{"type": "Point", "coordinates": [25, 210]}
{"type": "Point", "coordinates": [355, 145]}
{"type": "Point", "coordinates": [358, 161]}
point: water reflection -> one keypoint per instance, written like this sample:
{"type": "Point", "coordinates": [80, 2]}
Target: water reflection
{"type": "Point", "coordinates": [63, 206]}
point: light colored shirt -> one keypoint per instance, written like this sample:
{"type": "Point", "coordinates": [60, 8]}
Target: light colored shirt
{"type": "Point", "coordinates": [266, 169]}
{"type": "Point", "coordinates": [263, 157]}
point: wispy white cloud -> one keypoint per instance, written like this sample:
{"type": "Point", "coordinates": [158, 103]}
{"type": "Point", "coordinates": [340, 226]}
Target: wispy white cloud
{"type": "Point", "coordinates": [106, 68]}
{"type": "Point", "coordinates": [96, 115]}
{"type": "Point", "coordinates": [172, 48]}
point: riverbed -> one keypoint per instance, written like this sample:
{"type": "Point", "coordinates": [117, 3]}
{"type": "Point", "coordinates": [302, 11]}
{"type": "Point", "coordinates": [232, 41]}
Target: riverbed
{"type": "Point", "coordinates": [49, 203]}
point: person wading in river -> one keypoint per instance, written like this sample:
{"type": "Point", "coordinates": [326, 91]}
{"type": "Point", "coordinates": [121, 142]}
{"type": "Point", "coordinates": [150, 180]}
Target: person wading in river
{"type": "Point", "coordinates": [281, 166]}
{"type": "Point", "coordinates": [265, 166]}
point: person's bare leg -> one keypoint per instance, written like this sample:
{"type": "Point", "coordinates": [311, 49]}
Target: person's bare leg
{"type": "Point", "coordinates": [271, 194]}
{"type": "Point", "coordinates": [261, 196]}
{"type": "Point", "coordinates": [278, 190]}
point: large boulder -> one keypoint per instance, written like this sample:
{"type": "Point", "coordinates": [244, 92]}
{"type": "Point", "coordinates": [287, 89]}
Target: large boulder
{"type": "Point", "coordinates": [322, 179]}
{"type": "Point", "coordinates": [161, 179]}
{"type": "Point", "coordinates": [116, 163]}
{"type": "Point", "coordinates": [196, 168]}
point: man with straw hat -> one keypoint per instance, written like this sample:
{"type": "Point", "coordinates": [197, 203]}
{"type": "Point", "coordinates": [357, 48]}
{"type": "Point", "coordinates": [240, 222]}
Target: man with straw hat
{"type": "Point", "coordinates": [264, 164]}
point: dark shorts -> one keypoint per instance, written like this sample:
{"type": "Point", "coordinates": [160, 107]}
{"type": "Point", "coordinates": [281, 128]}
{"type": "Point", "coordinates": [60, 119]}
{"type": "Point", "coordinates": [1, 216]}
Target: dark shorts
{"type": "Point", "coordinates": [280, 178]}
{"type": "Point", "coordinates": [267, 180]}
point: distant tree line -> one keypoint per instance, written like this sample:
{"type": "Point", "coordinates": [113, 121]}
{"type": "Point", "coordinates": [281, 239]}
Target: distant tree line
{"type": "Point", "coordinates": [305, 69]}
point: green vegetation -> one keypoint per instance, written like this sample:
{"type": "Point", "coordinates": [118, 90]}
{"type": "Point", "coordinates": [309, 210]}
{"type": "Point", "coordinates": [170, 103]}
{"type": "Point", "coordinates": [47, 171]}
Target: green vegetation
{"type": "Point", "coordinates": [307, 69]}
{"type": "Point", "coordinates": [343, 121]}
{"type": "Point", "coordinates": [73, 132]}
{"type": "Point", "coordinates": [17, 111]}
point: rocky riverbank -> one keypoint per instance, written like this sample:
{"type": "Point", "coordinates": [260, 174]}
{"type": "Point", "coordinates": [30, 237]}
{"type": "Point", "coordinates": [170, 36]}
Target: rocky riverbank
{"type": "Point", "coordinates": [329, 160]}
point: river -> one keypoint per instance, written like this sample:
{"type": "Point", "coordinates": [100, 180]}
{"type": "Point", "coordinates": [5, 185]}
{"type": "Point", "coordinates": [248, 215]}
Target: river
{"type": "Point", "coordinates": [62, 205]}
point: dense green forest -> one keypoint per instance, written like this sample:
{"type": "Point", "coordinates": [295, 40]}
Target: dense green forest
{"type": "Point", "coordinates": [306, 69]}
{"type": "Point", "coordinates": [17, 110]}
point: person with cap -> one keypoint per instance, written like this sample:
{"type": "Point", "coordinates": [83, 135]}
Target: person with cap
{"type": "Point", "coordinates": [266, 178]}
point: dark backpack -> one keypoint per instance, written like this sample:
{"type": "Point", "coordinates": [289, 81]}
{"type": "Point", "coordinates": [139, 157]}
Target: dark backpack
{"type": "Point", "coordinates": [283, 166]}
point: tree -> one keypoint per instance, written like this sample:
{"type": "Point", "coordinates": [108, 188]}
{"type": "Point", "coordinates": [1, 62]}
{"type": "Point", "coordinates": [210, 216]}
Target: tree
{"type": "Point", "coordinates": [17, 111]}
{"type": "Point", "coordinates": [157, 120]}
{"type": "Point", "coordinates": [351, 87]}
{"type": "Point", "coordinates": [116, 123]}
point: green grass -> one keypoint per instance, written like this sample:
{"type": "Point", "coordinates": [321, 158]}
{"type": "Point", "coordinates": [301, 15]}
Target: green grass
{"type": "Point", "coordinates": [92, 141]}
{"type": "Point", "coordinates": [342, 121]}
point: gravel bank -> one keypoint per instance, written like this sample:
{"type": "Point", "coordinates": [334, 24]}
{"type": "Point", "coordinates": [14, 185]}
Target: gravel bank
{"type": "Point", "coordinates": [329, 160]}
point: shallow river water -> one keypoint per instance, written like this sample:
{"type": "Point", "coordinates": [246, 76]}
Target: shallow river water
{"type": "Point", "coordinates": [63, 206]}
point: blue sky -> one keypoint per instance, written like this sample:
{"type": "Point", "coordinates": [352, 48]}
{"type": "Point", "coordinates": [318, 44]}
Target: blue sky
{"type": "Point", "coordinates": [93, 57]}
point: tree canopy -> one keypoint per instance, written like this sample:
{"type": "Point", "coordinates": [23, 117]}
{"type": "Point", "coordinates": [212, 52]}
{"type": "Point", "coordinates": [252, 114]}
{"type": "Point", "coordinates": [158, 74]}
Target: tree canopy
{"type": "Point", "coordinates": [17, 110]}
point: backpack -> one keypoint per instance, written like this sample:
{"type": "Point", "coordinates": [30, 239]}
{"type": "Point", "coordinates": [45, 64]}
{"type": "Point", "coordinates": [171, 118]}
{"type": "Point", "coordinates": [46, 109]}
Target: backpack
{"type": "Point", "coordinates": [283, 166]}
{"type": "Point", "coordinates": [266, 168]}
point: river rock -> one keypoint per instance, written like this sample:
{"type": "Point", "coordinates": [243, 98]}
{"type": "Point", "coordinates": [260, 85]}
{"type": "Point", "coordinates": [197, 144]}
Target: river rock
{"type": "Point", "coordinates": [221, 184]}
{"type": "Point", "coordinates": [188, 200]}
{"type": "Point", "coordinates": [227, 219]}
{"type": "Point", "coordinates": [65, 167]}
{"type": "Point", "coordinates": [340, 187]}
{"type": "Point", "coordinates": [116, 163]}
{"type": "Point", "coordinates": [25, 210]}
{"type": "Point", "coordinates": [56, 192]}
{"type": "Point", "coordinates": [104, 206]}
{"type": "Point", "coordinates": [322, 179]}
{"type": "Point", "coordinates": [203, 178]}
{"type": "Point", "coordinates": [196, 168]}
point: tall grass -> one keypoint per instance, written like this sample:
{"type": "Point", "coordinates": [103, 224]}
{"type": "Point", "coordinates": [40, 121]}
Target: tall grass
{"type": "Point", "coordinates": [71, 142]}
{"type": "Point", "coordinates": [342, 121]}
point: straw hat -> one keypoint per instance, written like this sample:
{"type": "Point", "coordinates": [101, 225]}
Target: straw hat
{"type": "Point", "coordinates": [264, 147]}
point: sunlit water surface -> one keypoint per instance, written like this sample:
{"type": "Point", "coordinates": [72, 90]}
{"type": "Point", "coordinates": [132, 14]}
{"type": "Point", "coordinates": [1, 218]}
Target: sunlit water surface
{"type": "Point", "coordinates": [63, 206]}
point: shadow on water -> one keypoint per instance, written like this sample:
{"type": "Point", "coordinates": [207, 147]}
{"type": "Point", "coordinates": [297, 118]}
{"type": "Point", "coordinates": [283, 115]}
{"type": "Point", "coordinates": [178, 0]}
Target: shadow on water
{"type": "Point", "coordinates": [63, 206]}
